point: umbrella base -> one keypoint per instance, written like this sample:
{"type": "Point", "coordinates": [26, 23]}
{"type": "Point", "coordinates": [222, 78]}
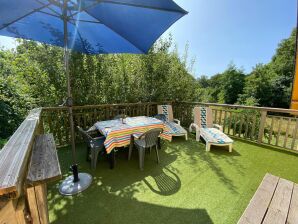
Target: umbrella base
{"type": "Point", "coordinates": [69, 187]}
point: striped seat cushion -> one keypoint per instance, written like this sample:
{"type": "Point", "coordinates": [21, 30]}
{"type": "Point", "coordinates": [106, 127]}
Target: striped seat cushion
{"type": "Point", "coordinates": [174, 129]}
{"type": "Point", "coordinates": [213, 135]}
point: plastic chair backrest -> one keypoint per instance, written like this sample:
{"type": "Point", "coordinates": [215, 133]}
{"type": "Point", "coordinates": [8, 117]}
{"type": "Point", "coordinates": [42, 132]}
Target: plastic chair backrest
{"type": "Point", "coordinates": [151, 137]}
{"type": "Point", "coordinates": [86, 136]}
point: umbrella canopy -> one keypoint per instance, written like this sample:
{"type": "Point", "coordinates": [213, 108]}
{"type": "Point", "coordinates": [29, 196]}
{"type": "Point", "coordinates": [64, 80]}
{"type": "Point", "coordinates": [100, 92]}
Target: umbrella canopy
{"type": "Point", "coordinates": [93, 26]}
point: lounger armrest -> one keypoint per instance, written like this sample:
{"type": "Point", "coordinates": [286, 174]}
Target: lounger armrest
{"type": "Point", "coordinates": [197, 129]}
{"type": "Point", "coordinates": [193, 126]}
{"type": "Point", "coordinates": [217, 126]}
{"type": "Point", "coordinates": [177, 121]}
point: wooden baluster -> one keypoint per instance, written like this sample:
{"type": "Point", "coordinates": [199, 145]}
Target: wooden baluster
{"type": "Point", "coordinates": [220, 114]}
{"type": "Point", "coordinates": [287, 132]}
{"type": "Point", "coordinates": [224, 121]}
{"type": "Point", "coordinates": [247, 120]}
{"type": "Point", "coordinates": [58, 127]}
{"type": "Point", "coordinates": [215, 116]}
{"type": "Point", "coordinates": [279, 130]}
{"type": "Point", "coordinates": [241, 125]}
{"type": "Point", "coordinates": [271, 129]}
{"type": "Point", "coordinates": [230, 122]}
{"type": "Point", "coordinates": [262, 126]}
{"type": "Point", "coordinates": [294, 133]}
{"type": "Point", "coordinates": [253, 129]}
{"type": "Point", "coordinates": [66, 125]}
{"type": "Point", "coordinates": [235, 121]}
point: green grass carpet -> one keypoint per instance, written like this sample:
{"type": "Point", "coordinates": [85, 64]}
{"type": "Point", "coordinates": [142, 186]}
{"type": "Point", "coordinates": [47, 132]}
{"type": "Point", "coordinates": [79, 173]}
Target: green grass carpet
{"type": "Point", "coordinates": [188, 186]}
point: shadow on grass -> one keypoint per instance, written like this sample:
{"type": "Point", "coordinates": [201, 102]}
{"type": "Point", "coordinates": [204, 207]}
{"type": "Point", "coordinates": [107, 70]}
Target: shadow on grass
{"type": "Point", "coordinates": [271, 147]}
{"type": "Point", "coordinates": [196, 154]}
{"type": "Point", "coordinates": [111, 197]}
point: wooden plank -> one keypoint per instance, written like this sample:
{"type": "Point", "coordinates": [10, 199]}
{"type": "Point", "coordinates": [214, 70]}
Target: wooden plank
{"type": "Point", "coordinates": [44, 166]}
{"type": "Point", "coordinates": [42, 203]}
{"type": "Point", "coordinates": [293, 210]}
{"type": "Point", "coordinates": [20, 211]}
{"type": "Point", "coordinates": [31, 198]}
{"type": "Point", "coordinates": [278, 209]}
{"type": "Point", "coordinates": [257, 207]}
{"type": "Point", "coordinates": [14, 157]}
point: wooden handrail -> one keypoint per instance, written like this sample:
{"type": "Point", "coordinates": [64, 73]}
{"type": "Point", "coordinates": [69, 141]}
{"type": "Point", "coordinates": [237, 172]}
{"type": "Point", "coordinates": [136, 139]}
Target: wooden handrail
{"type": "Point", "coordinates": [15, 155]}
{"type": "Point", "coordinates": [271, 109]}
{"type": "Point", "coordinates": [104, 105]}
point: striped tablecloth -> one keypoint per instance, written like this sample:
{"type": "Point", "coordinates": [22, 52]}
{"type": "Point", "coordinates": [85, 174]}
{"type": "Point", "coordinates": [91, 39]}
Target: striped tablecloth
{"type": "Point", "coordinates": [118, 134]}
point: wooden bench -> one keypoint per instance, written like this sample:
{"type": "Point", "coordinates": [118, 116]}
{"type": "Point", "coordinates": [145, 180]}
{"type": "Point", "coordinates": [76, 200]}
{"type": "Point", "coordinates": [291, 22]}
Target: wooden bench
{"type": "Point", "coordinates": [26, 196]}
{"type": "Point", "coordinates": [44, 168]}
{"type": "Point", "coordinates": [275, 201]}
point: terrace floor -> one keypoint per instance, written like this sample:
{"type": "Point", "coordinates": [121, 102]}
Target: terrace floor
{"type": "Point", "coordinates": [188, 186]}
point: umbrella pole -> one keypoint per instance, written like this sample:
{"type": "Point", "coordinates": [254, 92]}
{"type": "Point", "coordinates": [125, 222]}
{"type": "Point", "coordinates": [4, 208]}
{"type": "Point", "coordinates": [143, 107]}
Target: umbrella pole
{"type": "Point", "coordinates": [69, 103]}
{"type": "Point", "coordinates": [78, 181]}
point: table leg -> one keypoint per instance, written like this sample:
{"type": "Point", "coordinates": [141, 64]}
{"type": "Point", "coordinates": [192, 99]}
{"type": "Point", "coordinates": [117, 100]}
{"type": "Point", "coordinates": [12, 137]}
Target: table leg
{"type": "Point", "coordinates": [130, 146]}
{"type": "Point", "coordinates": [159, 143]}
{"type": "Point", "coordinates": [112, 159]}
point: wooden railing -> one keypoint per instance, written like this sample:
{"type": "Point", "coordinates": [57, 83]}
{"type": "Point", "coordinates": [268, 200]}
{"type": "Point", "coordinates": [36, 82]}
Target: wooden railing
{"type": "Point", "coordinates": [55, 119]}
{"type": "Point", "coordinates": [263, 125]}
{"type": "Point", "coordinates": [272, 126]}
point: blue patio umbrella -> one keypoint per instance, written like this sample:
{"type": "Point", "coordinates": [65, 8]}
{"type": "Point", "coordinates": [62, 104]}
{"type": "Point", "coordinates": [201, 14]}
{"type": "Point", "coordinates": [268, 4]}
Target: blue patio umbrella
{"type": "Point", "coordinates": [89, 27]}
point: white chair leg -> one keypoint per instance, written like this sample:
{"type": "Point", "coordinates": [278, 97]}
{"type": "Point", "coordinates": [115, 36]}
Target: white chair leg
{"type": "Point", "coordinates": [186, 138]}
{"type": "Point", "coordinates": [197, 136]}
{"type": "Point", "coordinates": [208, 146]}
{"type": "Point", "coordinates": [230, 148]}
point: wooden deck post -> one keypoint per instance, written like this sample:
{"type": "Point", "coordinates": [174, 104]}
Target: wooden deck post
{"type": "Point", "coordinates": [262, 126]}
{"type": "Point", "coordinates": [37, 200]}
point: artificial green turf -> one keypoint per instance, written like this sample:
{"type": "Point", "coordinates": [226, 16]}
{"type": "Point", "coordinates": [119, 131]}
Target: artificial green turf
{"type": "Point", "coordinates": [188, 186]}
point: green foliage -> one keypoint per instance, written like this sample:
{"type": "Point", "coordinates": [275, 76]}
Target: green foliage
{"type": "Point", "coordinates": [271, 84]}
{"type": "Point", "coordinates": [224, 87]}
{"type": "Point", "coordinates": [33, 76]}
{"type": "Point", "coordinates": [267, 85]}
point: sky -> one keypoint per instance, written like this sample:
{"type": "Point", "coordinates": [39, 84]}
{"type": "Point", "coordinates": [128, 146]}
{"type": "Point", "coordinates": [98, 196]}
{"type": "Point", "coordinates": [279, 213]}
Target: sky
{"type": "Point", "coordinates": [245, 32]}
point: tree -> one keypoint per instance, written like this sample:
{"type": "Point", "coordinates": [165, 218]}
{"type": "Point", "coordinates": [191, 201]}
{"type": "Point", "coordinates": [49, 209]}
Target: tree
{"type": "Point", "coordinates": [271, 84]}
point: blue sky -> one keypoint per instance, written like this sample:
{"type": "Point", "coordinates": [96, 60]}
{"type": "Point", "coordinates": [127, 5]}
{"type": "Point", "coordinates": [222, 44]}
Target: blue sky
{"type": "Point", "coordinates": [245, 32]}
